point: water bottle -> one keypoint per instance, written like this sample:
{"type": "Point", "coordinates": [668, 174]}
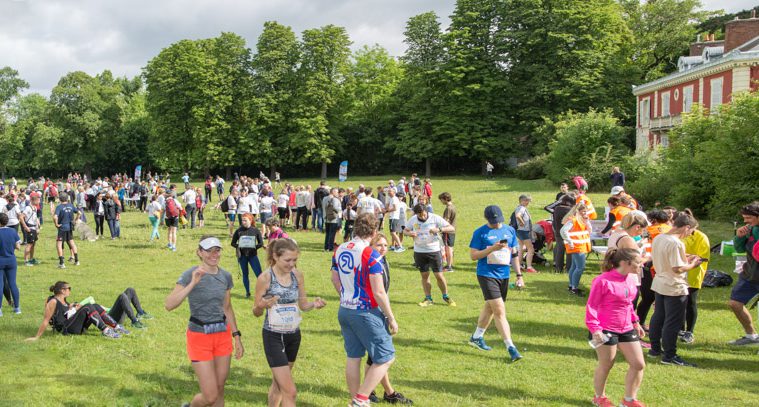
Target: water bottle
{"type": "Point", "coordinates": [594, 343]}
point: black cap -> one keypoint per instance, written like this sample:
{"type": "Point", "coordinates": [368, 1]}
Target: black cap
{"type": "Point", "coordinates": [493, 214]}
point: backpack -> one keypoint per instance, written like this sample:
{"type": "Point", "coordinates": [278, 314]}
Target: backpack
{"type": "Point", "coordinates": [714, 278]}
{"type": "Point", "coordinates": [224, 206]}
{"type": "Point", "coordinates": [330, 213]}
{"type": "Point", "coordinates": [580, 182]}
{"type": "Point", "coordinates": [513, 220]}
{"type": "Point", "coordinates": [172, 210]}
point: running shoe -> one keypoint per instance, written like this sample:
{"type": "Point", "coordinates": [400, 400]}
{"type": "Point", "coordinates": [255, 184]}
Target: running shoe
{"type": "Point", "coordinates": [76, 263]}
{"type": "Point", "coordinates": [676, 361]}
{"type": "Point", "coordinates": [576, 291]}
{"type": "Point", "coordinates": [396, 398]}
{"type": "Point", "coordinates": [71, 259]}
{"type": "Point", "coordinates": [400, 249]}
{"type": "Point", "coordinates": [356, 403]}
{"type": "Point", "coordinates": [144, 315]}
{"type": "Point", "coordinates": [744, 340]}
{"type": "Point", "coordinates": [645, 345]}
{"type": "Point", "coordinates": [687, 337]}
{"type": "Point", "coordinates": [602, 401]}
{"type": "Point", "coordinates": [449, 301]}
{"type": "Point", "coordinates": [28, 264]}
{"type": "Point", "coordinates": [61, 266]}
{"type": "Point", "coordinates": [531, 270]}
{"type": "Point", "coordinates": [514, 353]}
{"type": "Point", "coordinates": [138, 325]}
{"type": "Point", "coordinates": [634, 403]}
{"type": "Point", "coordinates": [654, 353]}
{"type": "Point", "coordinates": [17, 310]}
{"type": "Point", "coordinates": [479, 343]}
{"type": "Point", "coordinates": [121, 330]}
{"type": "Point", "coordinates": [426, 303]}
{"type": "Point", "coordinates": [111, 333]}
{"type": "Point", "coordinates": [35, 262]}
{"type": "Point", "coordinates": [373, 398]}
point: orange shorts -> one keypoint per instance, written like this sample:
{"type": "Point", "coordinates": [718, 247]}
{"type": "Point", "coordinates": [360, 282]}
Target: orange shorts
{"type": "Point", "coordinates": [204, 347]}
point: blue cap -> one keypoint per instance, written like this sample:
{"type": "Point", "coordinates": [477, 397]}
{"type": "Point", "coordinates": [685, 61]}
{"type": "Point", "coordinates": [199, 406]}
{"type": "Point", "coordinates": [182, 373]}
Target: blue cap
{"type": "Point", "coordinates": [493, 214]}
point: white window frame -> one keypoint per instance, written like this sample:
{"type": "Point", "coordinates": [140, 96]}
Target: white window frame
{"type": "Point", "coordinates": [687, 99]}
{"type": "Point", "coordinates": [715, 98]}
{"type": "Point", "coordinates": [645, 112]}
{"type": "Point", "coordinates": [665, 104]}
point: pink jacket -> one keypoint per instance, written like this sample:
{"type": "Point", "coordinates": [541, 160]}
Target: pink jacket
{"type": "Point", "coordinates": [610, 303]}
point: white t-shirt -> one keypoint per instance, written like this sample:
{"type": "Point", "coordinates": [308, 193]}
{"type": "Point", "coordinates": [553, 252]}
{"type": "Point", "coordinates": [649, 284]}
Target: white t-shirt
{"type": "Point", "coordinates": [282, 200]}
{"type": "Point", "coordinates": [267, 203]}
{"type": "Point", "coordinates": [425, 242]}
{"type": "Point", "coordinates": [368, 205]}
{"type": "Point", "coordinates": [30, 217]}
{"type": "Point", "coordinates": [12, 214]}
{"type": "Point", "coordinates": [189, 197]}
{"type": "Point", "coordinates": [302, 198]}
{"type": "Point", "coordinates": [154, 207]}
{"type": "Point", "coordinates": [395, 203]}
{"type": "Point", "coordinates": [232, 203]}
{"type": "Point", "coordinates": [248, 204]}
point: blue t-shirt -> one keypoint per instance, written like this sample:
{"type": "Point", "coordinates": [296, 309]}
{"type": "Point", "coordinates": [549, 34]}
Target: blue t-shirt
{"type": "Point", "coordinates": [65, 213]}
{"type": "Point", "coordinates": [483, 237]}
{"type": "Point", "coordinates": [8, 239]}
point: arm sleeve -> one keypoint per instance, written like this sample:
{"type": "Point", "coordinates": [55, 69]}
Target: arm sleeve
{"type": "Point", "coordinates": [591, 308]}
{"type": "Point", "coordinates": [235, 238]}
{"type": "Point", "coordinates": [259, 239]}
{"type": "Point", "coordinates": [740, 243]}
{"type": "Point", "coordinates": [610, 223]}
{"type": "Point", "coordinates": [564, 232]}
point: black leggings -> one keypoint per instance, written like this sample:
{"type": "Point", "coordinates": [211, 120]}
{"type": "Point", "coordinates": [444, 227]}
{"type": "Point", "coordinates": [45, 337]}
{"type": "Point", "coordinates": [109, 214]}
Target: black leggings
{"type": "Point", "coordinates": [123, 306]}
{"type": "Point", "coordinates": [691, 309]}
{"type": "Point", "coordinates": [647, 296]}
{"type": "Point", "coordinates": [91, 314]}
{"type": "Point", "coordinates": [99, 224]}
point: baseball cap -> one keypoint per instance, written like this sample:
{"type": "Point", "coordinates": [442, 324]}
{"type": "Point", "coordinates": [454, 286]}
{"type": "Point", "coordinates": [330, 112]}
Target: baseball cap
{"type": "Point", "coordinates": [616, 190]}
{"type": "Point", "coordinates": [210, 242]}
{"type": "Point", "coordinates": [493, 214]}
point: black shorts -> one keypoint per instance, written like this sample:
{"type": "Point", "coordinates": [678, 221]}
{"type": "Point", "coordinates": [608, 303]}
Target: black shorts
{"type": "Point", "coordinates": [280, 349]}
{"type": "Point", "coordinates": [426, 262]}
{"type": "Point", "coordinates": [282, 213]}
{"type": "Point", "coordinates": [172, 222]}
{"type": "Point", "coordinates": [51, 199]}
{"type": "Point", "coordinates": [629, 336]}
{"type": "Point", "coordinates": [449, 239]}
{"type": "Point", "coordinates": [493, 288]}
{"type": "Point", "coordinates": [31, 236]}
{"type": "Point", "coordinates": [65, 236]}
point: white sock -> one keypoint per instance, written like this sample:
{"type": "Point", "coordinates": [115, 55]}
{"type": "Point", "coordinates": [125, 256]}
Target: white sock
{"type": "Point", "coordinates": [478, 333]}
{"type": "Point", "coordinates": [629, 398]}
{"type": "Point", "coordinates": [508, 343]}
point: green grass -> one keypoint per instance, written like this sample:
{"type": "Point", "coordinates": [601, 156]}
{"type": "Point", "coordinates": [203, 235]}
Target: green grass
{"type": "Point", "coordinates": [434, 365]}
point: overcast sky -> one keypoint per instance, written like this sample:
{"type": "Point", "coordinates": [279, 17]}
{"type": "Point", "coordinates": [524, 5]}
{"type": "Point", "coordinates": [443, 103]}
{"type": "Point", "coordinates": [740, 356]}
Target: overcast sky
{"type": "Point", "coordinates": [45, 39]}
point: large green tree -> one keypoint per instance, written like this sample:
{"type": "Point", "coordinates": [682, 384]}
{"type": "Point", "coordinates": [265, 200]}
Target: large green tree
{"type": "Point", "coordinates": [321, 96]}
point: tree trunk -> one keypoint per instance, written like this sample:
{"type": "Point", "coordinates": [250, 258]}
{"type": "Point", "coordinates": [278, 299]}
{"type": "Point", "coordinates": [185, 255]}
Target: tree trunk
{"type": "Point", "coordinates": [229, 173]}
{"type": "Point", "coordinates": [206, 172]}
{"type": "Point", "coordinates": [484, 167]}
{"type": "Point", "coordinates": [272, 171]}
{"type": "Point", "coordinates": [324, 171]}
{"type": "Point", "coordinates": [428, 168]}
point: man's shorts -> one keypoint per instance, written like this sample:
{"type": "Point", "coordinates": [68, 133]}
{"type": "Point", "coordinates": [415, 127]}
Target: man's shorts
{"type": "Point", "coordinates": [523, 235]}
{"type": "Point", "coordinates": [65, 236]}
{"type": "Point", "coordinates": [172, 222]}
{"type": "Point", "coordinates": [449, 239]}
{"type": "Point", "coordinates": [231, 216]}
{"type": "Point", "coordinates": [265, 216]}
{"type": "Point", "coordinates": [744, 291]}
{"type": "Point", "coordinates": [395, 226]}
{"type": "Point", "coordinates": [365, 331]}
{"type": "Point", "coordinates": [429, 261]}
{"type": "Point", "coordinates": [51, 199]}
{"type": "Point", "coordinates": [616, 338]}
{"type": "Point", "coordinates": [203, 347]}
{"type": "Point", "coordinates": [31, 236]}
{"type": "Point", "coordinates": [493, 288]}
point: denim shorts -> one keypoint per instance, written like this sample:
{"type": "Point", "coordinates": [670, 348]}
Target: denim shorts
{"type": "Point", "coordinates": [523, 234]}
{"type": "Point", "coordinates": [365, 331]}
{"type": "Point", "coordinates": [744, 291]}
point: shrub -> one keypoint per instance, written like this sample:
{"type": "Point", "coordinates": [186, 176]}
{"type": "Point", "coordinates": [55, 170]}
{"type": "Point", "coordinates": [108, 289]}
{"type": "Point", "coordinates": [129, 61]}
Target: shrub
{"type": "Point", "coordinates": [534, 168]}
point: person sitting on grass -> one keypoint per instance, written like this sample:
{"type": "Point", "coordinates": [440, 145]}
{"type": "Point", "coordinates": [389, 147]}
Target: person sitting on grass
{"type": "Point", "coordinates": [275, 231]}
{"type": "Point", "coordinates": [75, 319]}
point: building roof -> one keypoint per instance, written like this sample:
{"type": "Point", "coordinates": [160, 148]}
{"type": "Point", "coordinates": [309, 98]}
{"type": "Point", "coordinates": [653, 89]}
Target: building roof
{"type": "Point", "coordinates": [693, 67]}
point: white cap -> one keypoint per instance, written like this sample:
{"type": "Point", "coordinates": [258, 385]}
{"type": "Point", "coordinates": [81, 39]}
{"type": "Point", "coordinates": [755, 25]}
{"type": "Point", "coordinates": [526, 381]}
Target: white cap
{"type": "Point", "coordinates": [210, 242]}
{"type": "Point", "coordinates": [616, 190]}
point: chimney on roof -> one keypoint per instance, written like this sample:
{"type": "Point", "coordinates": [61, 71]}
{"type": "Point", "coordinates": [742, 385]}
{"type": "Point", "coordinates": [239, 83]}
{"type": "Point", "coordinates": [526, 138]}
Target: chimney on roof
{"type": "Point", "coordinates": [738, 32]}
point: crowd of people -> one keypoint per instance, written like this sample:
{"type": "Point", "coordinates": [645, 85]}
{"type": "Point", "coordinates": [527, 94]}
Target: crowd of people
{"type": "Point", "coordinates": [655, 259]}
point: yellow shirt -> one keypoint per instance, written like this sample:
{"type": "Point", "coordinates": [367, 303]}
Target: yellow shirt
{"type": "Point", "coordinates": [698, 244]}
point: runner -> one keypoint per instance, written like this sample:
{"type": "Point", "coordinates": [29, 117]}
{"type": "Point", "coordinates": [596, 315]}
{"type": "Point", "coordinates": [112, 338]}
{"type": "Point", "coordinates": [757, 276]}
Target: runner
{"type": "Point", "coordinates": [449, 214]}
{"type": "Point", "coordinates": [64, 219]}
{"type": "Point", "coordinates": [366, 319]}
{"type": "Point", "coordinates": [613, 324]}
{"type": "Point", "coordinates": [247, 240]}
{"type": "Point", "coordinates": [212, 323]}
{"type": "Point", "coordinates": [425, 228]}
{"type": "Point", "coordinates": [576, 235]}
{"type": "Point", "coordinates": [30, 225]}
{"type": "Point", "coordinates": [281, 292]}
{"type": "Point", "coordinates": [172, 213]}
{"type": "Point", "coordinates": [494, 245]}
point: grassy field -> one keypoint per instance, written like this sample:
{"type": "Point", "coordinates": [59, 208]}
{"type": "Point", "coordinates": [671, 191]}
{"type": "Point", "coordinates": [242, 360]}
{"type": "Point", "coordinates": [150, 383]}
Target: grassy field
{"type": "Point", "coordinates": [434, 365]}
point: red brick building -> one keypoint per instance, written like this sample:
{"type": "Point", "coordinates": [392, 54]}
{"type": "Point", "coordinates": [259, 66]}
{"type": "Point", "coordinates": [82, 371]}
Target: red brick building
{"type": "Point", "coordinates": [712, 73]}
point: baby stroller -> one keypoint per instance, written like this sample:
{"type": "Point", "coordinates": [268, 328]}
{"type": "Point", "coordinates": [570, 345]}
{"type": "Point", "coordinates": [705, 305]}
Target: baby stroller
{"type": "Point", "coordinates": [543, 239]}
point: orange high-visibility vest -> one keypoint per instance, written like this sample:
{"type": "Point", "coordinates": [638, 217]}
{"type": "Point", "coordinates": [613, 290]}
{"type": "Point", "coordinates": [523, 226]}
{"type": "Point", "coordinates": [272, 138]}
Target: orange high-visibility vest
{"type": "Point", "coordinates": [653, 231]}
{"type": "Point", "coordinates": [619, 212]}
{"type": "Point", "coordinates": [586, 201]}
{"type": "Point", "coordinates": [579, 235]}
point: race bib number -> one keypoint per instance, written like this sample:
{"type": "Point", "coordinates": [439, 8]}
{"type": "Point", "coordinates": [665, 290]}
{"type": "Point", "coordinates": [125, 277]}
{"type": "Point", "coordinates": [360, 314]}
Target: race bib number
{"type": "Point", "coordinates": [284, 317]}
{"type": "Point", "coordinates": [247, 242]}
{"type": "Point", "coordinates": [500, 257]}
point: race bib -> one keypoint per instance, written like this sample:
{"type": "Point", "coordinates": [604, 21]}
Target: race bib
{"type": "Point", "coordinates": [247, 242]}
{"type": "Point", "coordinates": [500, 257]}
{"type": "Point", "coordinates": [284, 317]}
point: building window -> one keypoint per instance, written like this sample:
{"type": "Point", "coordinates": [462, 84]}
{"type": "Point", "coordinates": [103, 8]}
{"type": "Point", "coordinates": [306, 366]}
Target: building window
{"type": "Point", "coordinates": [687, 99]}
{"type": "Point", "coordinates": [645, 112]}
{"type": "Point", "coordinates": [665, 104]}
{"type": "Point", "coordinates": [716, 94]}
{"type": "Point", "coordinates": [664, 141]}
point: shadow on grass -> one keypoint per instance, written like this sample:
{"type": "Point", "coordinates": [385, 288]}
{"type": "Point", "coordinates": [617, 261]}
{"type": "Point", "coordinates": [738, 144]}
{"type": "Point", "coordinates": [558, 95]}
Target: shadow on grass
{"type": "Point", "coordinates": [189, 387]}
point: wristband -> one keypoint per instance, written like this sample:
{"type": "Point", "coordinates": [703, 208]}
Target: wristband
{"type": "Point", "coordinates": [236, 333]}
{"type": "Point", "coordinates": [519, 275]}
